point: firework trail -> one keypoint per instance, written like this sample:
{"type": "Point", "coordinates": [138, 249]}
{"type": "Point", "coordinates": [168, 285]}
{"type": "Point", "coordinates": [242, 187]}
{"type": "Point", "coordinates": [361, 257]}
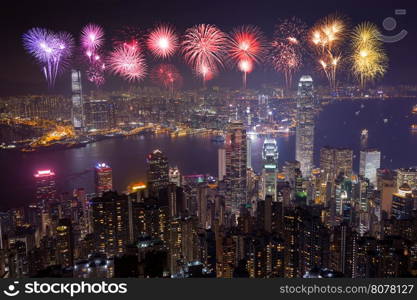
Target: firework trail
{"type": "Point", "coordinates": [128, 63]}
{"type": "Point", "coordinates": [204, 48]}
{"type": "Point", "coordinates": [163, 41]}
{"type": "Point", "coordinates": [51, 50]}
{"type": "Point", "coordinates": [246, 47]}
{"type": "Point", "coordinates": [167, 76]}
{"type": "Point", "coordinates": [368, 58]}
{"type": "Point", "coordinates": [287, 47]}
{"type": "Point", "coordinates": [327, 37]}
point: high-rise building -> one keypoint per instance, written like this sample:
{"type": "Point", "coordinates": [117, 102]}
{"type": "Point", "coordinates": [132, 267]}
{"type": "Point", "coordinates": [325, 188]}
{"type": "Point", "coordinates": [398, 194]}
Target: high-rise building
{"type": "Point", "coordinates": [175, 176]}
{"type": "Point", "coordinates": [221, 163]}
{"type": "Point", "coordinates": [236, 163]}
{"type": "Point", "coordinates": [65, 243]}
{"type": "Point", "coordinates": [370, 162]}
{"type": "Point", "coordinates": [407, 175]}
{"type": "Point", "coordinates": [103, 178]}
{"type": "Point", "coordinates": [402, 202]}
{"type": "Point", "coordinates": [304, 139]}
{"type": "Point", "coordinates": [110, 223]}
{"type": "Point", "coordinates": [334, 161]}
{"type": "Point", "coordinates": [158, 170]}
{"type": "Point", "coordinates": [270, 168]}
{"type": "Point", "coordinates": [77, 101]}
{"type": "Point", "coordinates": [45, 186]}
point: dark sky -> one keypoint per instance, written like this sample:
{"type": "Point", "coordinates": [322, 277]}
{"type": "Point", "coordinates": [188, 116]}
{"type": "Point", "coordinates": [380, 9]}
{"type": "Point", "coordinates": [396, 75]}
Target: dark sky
{"type": "Point", "coordinates": [19, 74]}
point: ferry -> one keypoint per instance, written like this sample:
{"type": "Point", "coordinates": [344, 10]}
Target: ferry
{"type": "Point", "coordinates": [414, 110]}
{"type": "Point", "coordinates": [413, 127]}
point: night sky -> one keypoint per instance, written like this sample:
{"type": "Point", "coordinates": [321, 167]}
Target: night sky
{"type": "Point", "coordinates": [19, 74]}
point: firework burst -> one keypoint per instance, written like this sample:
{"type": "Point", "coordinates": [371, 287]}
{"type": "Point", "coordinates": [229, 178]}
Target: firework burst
{"type": "Point", "coordinates": [326, 38]}
{"type": "Point", "coordinates": [92, 37]}
{"type": "Point", "coordinates": [246, 47]}
{"type": "Point", "coordinates": [287, 47]}
{"type": "Point", "coordinates": [128, 63]}
{"type": "Point", "coordinates": [51, 50]}
{"type": "Point", "coordinates": [167, 76]}
{"type": "Point", "coordinates": [368, 58]}
{"type": "Point", "coordinates": [128, 36]}
{"type": "Point", "coordinates": [204, 49]}
{"type": "Point", "coordinates": [163, 41]}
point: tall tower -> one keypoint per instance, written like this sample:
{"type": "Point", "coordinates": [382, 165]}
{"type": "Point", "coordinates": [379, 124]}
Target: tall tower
{"type": "Point", "coordinates": [304, 140]}
{"type": "Point", "coordinates": [103, 178]}
{"type": "Point", "coordinates": [45, 186]}
{"type": "Point", "coordinates": [370, 161]}
{"type": "Point", "coordinates": [77, 102]}
{"type": "Point", "coordinates": [158, 170]}
{"type": "Point", "coordinates": [236, 163]}
{"type": "Point", "coordinates": [270, 168]}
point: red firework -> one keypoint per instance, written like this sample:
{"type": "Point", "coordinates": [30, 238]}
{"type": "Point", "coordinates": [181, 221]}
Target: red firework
{"type": "Point", "coordinates": [163, 41]}
{"type": "Point", "coordinates": [167, 76]}
{"type": "Point", "coordinates": [247, 46]}
{"type": "Point", "coordinates": [287, 47]}
{"type": "Point", "coordinates": [204, 49]}
{"type": "Point", "coordinates": [128, 36]}
{"type": "Point", "coordinates": [127, 62]}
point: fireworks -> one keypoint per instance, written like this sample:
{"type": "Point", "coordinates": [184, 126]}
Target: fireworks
{"type": "Point", "coordinates": [287, 47]}
{"type": "Point", "coordinates": [128, 36]}
{"type": "Point", "coordinates": [51, 50]}
{"type": "Point", "coordinates": [167, 76]}
{"type": "Point", "coordinates": [162, 41]}
{"type": "Point", "coordinates": [128, 63]}
{"type": "Point", "coordinates": [204, 49]}
{"type": "Point", "coordinates": [368, 57]}
{"type": "Point", "coordinates": [246, 48]}
{"type": "Point", "coordinates": [92, 37]}
{"type": "Point", "coordinates": [327, 37]}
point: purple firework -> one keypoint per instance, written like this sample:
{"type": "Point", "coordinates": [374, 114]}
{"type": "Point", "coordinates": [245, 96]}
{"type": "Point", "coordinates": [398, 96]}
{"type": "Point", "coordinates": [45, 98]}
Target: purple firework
{"type": "Point", "coordinates": [51, 50]}
{"type": "Point", "coordinates": [92, 37]}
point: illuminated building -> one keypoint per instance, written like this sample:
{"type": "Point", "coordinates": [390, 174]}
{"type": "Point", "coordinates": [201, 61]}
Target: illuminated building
{"type": "Point", "coordinates": [158, 170]}
{"type": "Point", "coordinates": [65, 243]}
{"type": "Point", "coordinates": [370, 162]}
{"type": "Point", "coordinates": [334, 161]}
{"type": "Point", "coordinates": [175, 176]}
{"type": "Point", "coordinates": [99, 115]}
{"type": "Point", "coordinates": [110, 223]}
{"type": "Point", "coordinates": [304, 139]}
{"type": "Point", "coordinates": [103, 178]}
{"type": "Point", "coordinates": [45, 186]}
{"type": "Point", "coordinates": [77, 101]}
{"type": "Point", "coordinates": [270, 168]}
{"type": "Point", "coordinates": [221, 163]}
{"type": "Point", "coordinates": [407, 175]}
{"type": "Point", "coordinates": [402, 202]}
{"type": "Point", "coordinates": [236, 164]}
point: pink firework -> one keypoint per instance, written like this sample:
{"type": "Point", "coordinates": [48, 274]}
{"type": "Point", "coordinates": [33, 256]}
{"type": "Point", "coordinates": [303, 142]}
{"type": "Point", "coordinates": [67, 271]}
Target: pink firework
{"type": "Point", "coordinates": [127, 63]}
{"type": "Point", "coordinates": [163, 41]}
{"type": "Point", "coordinates": [167, 76]}
{"type": "Point", "coordinates": [128, 36]}
{"type": "Point", "coordinates": [204, 48]}
{"type": "Point", "coordinates": [92, 37]}
{"type": "Point", "coordinates": [247, 47]}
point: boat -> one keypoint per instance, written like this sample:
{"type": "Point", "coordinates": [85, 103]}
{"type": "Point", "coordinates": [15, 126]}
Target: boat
{"type": "Point", "coordinates": [364, 133]}
{"type": "Point", "coordinates": [414, 110]}
{"type": "Point", "coordinates": [413, 127]}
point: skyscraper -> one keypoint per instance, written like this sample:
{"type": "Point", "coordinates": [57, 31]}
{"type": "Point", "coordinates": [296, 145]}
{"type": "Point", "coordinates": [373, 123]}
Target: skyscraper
{"type": "Point", "coordinates": [270, 168]}
{"type": "Point", "coordinates": [304, 140]}
{"type": "Point", "coordinates": [77, 101]}
{"type": "Point", "coordinates": [45, 186]}
{"type": "Point", "coordinates": [370, 161]}
{"type": "Point", "coordinates": [99, 115]}
{"type": "Point", "coordinates": [103, 178]}
{"type": "Point", "coordinates": [334, 161]}
{"type": "Point", "coordinates": [221, 163]}
{"type": "Point", "coordinates": [158, 170]}
{"type": "Point", "coordinates": [236, 163]}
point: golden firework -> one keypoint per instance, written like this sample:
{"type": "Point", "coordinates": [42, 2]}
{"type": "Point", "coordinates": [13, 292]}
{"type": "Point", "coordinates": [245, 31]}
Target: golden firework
{"type": "Point", "coordinates": [327, 37]}
{"type": "Point", "coordinates": [368, 57]}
